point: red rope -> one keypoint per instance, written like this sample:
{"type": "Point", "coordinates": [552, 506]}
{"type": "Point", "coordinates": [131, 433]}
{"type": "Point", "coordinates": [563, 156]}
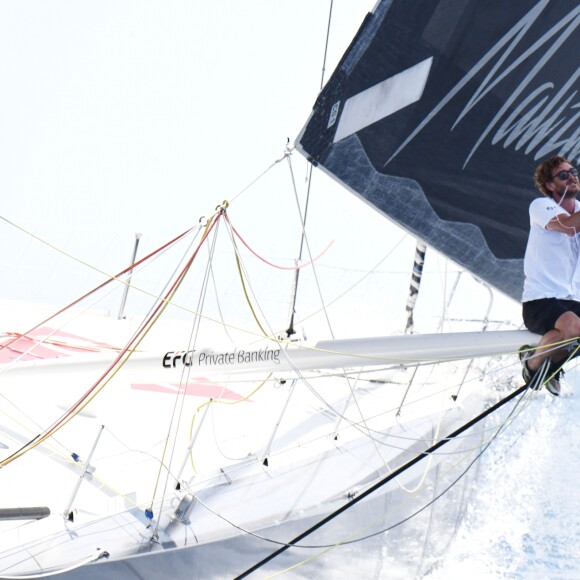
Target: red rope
{"type": "Point", "coordinates": [126, 349]}
{"type": "Point", "coordinates": [297, 267]}
{"type": "Point", "coordinates": [75, 302]}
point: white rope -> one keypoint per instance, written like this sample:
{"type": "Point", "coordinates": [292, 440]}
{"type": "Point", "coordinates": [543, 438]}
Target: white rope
{"type": "Point", "coordinates": [53, 572]}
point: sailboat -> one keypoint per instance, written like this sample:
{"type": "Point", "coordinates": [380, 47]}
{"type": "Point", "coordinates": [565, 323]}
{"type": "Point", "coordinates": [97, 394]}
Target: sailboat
{"type": "Point", "coordinates": [213, 436]}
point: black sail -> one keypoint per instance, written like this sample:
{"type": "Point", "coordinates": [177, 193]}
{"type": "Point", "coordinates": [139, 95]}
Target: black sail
{"type": "Point", "coordinates": [438, 114]}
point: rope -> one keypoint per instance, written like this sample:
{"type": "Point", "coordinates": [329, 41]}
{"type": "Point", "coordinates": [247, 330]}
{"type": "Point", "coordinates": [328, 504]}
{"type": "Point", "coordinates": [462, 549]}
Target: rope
{"type": "Point", "coordinates": [359, 281]}
{"type": "Point", "coordinates": [382, 482]}
{"type": "Point", "coordinates": [186, 372]}
{"type": "Point", "coordinates": [221, 402]}
{"type": "Point", "coordinates": [327, 547]}
{"type": "Point", "coordinates": [173, 289]}
{"type": "Point", "coordinates": [75, 565]}
{"type": "Point", "coordinates": [304, 241]}
{"type": "Point", "coordinates": [110, 279]}
{"type": "Point", "coordinates": [115, 366]}
{"type": "Point", "coordinates": [411, 516]}
{"type": "Point", "coordinates": [248, 301]}
{"type": "Point", "coordinates": [295, 267]}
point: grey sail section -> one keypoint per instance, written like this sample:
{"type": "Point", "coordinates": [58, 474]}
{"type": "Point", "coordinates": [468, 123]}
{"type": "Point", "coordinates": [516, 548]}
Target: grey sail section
{"type": "Point", "coordinates": [438, 119]}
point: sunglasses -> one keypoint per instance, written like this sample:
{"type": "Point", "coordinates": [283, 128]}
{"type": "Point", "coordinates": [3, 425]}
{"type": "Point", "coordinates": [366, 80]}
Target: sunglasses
{"type": "Point", "coordinates": [564, 174]}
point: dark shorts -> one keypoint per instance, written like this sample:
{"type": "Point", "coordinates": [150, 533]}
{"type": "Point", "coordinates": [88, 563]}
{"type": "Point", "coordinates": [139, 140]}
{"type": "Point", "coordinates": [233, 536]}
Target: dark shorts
{"type": "Point", "coordinates": [540, 315]}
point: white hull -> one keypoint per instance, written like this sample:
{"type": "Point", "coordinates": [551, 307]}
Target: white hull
{"type": "Point", "coordinates": [316, 463]}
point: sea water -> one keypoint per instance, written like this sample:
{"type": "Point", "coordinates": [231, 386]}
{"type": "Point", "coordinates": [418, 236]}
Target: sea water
{"type": "Point", "coordinates": [524, 517]}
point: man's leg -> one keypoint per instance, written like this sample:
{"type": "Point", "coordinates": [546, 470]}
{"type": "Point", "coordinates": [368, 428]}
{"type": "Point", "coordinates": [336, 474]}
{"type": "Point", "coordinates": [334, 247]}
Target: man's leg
{"type": "Point", "coordinates": [567, 327]}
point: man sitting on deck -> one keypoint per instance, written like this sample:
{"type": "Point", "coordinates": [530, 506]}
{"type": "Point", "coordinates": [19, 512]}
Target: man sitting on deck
{"type": "Point", "coordinates": [551, 297]}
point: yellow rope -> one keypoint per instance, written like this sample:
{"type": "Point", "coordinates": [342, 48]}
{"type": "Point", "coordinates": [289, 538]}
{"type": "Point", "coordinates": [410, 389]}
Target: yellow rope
{"type": "Point", "coordinates": [65, 419]}
{"type": "Point", "coordinates": [221, 402]}
{"type": "Point", "coordinates": [246, 294]}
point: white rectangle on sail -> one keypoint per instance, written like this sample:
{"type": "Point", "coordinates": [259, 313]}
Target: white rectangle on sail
{"type": "Point", "coordinates": [384, 99]}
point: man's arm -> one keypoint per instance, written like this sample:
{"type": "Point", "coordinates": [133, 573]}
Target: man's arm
{"type": "Point", "coordinates": [565, 223]}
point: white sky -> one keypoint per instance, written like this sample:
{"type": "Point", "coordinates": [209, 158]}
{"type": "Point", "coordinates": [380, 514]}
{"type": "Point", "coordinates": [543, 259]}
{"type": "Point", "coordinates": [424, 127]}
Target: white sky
{"type": "Point", "coordinates": [128, 114]}
{"type": "Point", "coordinates": [119, 117]}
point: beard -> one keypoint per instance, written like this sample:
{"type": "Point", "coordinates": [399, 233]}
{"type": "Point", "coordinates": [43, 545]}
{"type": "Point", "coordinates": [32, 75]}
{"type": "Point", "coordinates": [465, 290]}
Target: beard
{"type": "Point", "coordinates": [567, 190]}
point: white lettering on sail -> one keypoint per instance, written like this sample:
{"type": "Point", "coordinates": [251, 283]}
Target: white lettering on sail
{"type": "Point", "coordinates": [541, 120]}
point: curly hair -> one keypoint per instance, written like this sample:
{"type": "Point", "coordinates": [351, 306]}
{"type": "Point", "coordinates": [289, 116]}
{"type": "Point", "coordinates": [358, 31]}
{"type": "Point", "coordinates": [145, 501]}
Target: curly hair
{"type": "Point", "coordinates": [543, 173]}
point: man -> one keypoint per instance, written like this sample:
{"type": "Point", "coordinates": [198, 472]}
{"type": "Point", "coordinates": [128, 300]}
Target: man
{"type": "Point", "coordinates": [551, 298]}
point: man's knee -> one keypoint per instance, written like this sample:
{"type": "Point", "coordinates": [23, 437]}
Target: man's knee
{"type": "Point", "coordinates": [569, 325]}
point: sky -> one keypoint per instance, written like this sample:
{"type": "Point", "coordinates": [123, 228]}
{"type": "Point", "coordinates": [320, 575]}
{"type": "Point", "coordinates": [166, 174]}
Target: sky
{"type": "Point", "coordinates": [122, 117]}
{"type": "Point", "coordinates": [131, 115]}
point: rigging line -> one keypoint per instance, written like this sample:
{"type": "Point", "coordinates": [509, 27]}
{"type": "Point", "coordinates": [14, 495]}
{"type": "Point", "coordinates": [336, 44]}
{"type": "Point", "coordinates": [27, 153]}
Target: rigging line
{"type": "Point", "coordinates": [349, 289]}
{"type": "Point", "coordinates": [295, 267]}
{"type": "Point", "coordinates": [382, 482]}
{"type": "Point", "coordinates": [224, 326]}
{"type": "Point", "coordinates": [115, 366]}
{"type": "Point", "coordinates": [218, 302]}
{"type": "Point", "coordinates": [408, 518]}
{"type": "Point", "coordinates": [254, 181]}
{"type": "Point", "coordinates": [303, 239]}
{"type": "Point", "coordinates": [248, 301]}
{"type": "Point", "coordinates": [268, 335]}
{"type": "Point", "coordinates": [461, 475]}
{"type": "Point", "coordinates": [281, 452]}
{"type": "Point", "coordinates": [169, 295]}
{"type": "Point", "coordinates": [366, 431]}
{"type": "Point", "coordinates": [98, 555]}
{"type": "Point", "coordinates": [290, 330]}
{"type": "Point", "coordinates": [64, 456]}
{"type": "Point", "coordinates": [351, 423]}
{"type": "Point", "coordinates": [177, 306]}
{"type": "Point", "coordinates": [108, 281]}
{"type": "Point", "coordinates": [186, 373]}
{"type": "Point", "coordinates": [14, 361]}
{"type": "Point", "coordinates": [326, 46]}
{"type": "Point", "coordinates": [356, 540]}
{"type": "Point", "coordinates": [6, 367]}
{"type": "Point", "coordinates": [394, 436]}
{"type": "Point", "coordinates": [222, 402]}
{"type": "Point", "coordinates": [46, 339]}
{"type": "Point", "coordinates": [442, 411]}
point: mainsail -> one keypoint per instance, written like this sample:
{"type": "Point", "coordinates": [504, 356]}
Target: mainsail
{"type": "Point", "coordinates": [439, 118]}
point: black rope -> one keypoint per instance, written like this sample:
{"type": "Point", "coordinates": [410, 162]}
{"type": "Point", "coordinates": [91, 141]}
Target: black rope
{"type": "Point", "coordinates": [383, 481]}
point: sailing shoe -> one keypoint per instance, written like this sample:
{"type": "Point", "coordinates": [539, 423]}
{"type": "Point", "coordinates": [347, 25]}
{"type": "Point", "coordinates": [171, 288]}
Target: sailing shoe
{"type": "Point", "coordinates": [554, 373]}
{"type": "Point", "coordinates": [535, 379]}
{"type": "Point", "coordinates": [526, 352]}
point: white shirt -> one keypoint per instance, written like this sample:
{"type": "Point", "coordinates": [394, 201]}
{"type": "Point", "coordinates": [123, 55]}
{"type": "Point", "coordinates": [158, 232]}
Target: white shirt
{"type": "Point", "coordinates": [551, 260]}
